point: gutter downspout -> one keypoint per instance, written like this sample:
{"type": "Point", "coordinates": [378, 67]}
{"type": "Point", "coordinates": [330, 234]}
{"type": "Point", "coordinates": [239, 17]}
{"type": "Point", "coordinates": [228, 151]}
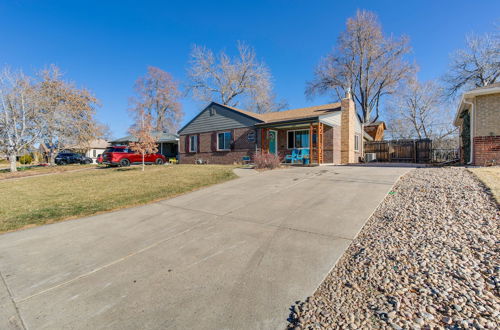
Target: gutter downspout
{"type": "Point", "coordinates": [471, 157]}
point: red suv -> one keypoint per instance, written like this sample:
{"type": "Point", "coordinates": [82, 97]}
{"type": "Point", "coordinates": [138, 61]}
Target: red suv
{"type": "Point", "coordinates": [123, 156]}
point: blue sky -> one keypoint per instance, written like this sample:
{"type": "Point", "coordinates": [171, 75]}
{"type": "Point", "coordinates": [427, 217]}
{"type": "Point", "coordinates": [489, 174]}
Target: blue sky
{"type": "Point", "coordinates": [106, 45]}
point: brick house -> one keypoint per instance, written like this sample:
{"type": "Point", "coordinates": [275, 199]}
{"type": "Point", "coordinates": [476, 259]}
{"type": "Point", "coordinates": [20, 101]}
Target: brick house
{"type": "Point", "coordinates": [478, 119]}
{"type": "Point", "coordinates": [221, 134]}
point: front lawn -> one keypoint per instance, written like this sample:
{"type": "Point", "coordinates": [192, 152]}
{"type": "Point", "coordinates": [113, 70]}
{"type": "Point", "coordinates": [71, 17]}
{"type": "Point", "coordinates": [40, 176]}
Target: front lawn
{"type": "Point", "coordinates": [30, 170]}
{"type": "Point", "coordinates": [50, 198]}
{"type": "Point", "coordinates": [491, 178]}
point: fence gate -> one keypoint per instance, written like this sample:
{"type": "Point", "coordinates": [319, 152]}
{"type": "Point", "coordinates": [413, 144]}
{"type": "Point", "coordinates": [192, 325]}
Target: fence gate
{"type": "Point", "coordinates": [401, 151]}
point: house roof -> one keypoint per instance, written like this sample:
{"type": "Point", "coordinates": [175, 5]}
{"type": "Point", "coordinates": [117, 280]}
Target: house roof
{"type": "Point", "coordinates": [377, 123]}
{"type": "Point", "coordinates": [292, 114]}
{"type": "Point", "coordinates": [93, 144]}
{"type": "Point", "coordinates": [159, 137]}
{"type": "Point", "coordinates": [485, 90]}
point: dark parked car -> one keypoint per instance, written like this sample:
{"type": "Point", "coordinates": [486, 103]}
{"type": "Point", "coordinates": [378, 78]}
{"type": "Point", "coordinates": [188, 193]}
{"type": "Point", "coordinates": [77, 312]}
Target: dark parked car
{"type": "Point", "coordinates": [124, 156]}
{"type": "Point", "coordinates": [72, 158]}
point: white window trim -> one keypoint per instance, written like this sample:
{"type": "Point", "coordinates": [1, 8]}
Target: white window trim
{"type": "Point", "coordinates": [218, 141]}
{"type": "Point", "coordinates": [193, 147]}
{"type": "Point", "coordinates": [297, 130]}
{"type": "Point", "coordinates": [356, 138]}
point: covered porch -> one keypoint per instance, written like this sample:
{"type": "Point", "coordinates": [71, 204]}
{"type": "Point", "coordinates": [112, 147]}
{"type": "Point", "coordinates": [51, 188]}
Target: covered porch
{"type": "Point", "coordinates": [295, 142]}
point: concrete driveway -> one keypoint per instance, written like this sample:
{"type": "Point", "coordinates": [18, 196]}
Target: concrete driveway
{"type": "Point", "coordinates": [231, 256]}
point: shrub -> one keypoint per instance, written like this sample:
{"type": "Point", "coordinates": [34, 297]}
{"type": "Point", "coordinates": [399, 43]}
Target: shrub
{"type": "Point", "coordinates": [266, 160]}
{"type": "Point", "coordinates": [26, 159]}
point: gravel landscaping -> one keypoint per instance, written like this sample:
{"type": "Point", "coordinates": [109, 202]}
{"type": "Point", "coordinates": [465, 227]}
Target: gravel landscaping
{"type": "Point", "coordinates": [428, 258]}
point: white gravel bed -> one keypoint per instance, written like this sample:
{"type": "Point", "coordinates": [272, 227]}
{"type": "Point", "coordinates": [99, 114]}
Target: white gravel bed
{"type": "Point", "coordinates": [428, 258]}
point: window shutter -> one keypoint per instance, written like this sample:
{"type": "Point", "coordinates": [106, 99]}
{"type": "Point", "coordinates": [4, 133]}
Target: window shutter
{"type": "Point", "coordinates": [213, 141]}
{"type": "Point", "coordinates": [198, 143]}
{"type": "Point", "coordinates": [232, 139]}
{"type": "Point", "coordinates": [186, 144]}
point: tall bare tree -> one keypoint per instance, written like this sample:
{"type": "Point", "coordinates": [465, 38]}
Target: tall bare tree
{"type": "Point", "coordinates": [142, 130]}
{"type": "Point", "coordinates": [19, 115]}
{"type": "Point", "coordinates": [477, 65]}
{"type": "Point", "coordinates": [68, 113]}
{"type": "Point", "coordinates": [232, 81]}
{"type": "Point", "coordinates": [417, 110]}
{"type": "Point", "coordinates": [365, 62]}
{"type": "Point", "coordinates": [157, 94]}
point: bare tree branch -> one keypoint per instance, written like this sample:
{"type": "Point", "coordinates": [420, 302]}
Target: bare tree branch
{"type": "Point", "coordinates": [477, 65]}
{"type": "Point", "coordinates": [232, 81]}
{"type": "Point", "coordinates": [157, 94]}
{"type": "Point", "coordinates": [364, 61]}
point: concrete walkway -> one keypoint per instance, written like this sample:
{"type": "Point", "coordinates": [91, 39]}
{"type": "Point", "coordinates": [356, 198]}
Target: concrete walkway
{"type": "Point", "coordinates": [231, 256]}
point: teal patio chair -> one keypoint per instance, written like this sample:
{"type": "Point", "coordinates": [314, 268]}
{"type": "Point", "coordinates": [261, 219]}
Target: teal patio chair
{"type": "Point", "coordinates": [293, 157]}
{"type": "Point", "coordinates": [303, 155]}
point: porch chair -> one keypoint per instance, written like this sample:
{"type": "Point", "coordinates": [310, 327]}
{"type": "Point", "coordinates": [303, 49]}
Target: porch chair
{"type": "Point", "coordinates": [303, 154]}
{"type": "Point", "coordinates": [293, 157]}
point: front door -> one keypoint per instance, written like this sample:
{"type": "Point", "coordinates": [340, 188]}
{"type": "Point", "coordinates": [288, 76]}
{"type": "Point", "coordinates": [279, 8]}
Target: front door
{"type": "Point", "coordinates": [273, 143]}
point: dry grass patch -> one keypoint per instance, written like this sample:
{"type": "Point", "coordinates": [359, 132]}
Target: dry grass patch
{"type": "Point", "coordinates": [490, 176]}
{"type": "Point", "coordinates": [37, 170]}
{"type": "Point", "coordinates": [50, 198]}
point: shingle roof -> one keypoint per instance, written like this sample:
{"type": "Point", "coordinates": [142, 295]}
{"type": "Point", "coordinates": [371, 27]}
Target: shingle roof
{"type": "Point", "coordinates": [159, 137]}
{"type": "Point", "coordinates": [486, 87]}
{"type": "Point", "coordinates": [292, 114]}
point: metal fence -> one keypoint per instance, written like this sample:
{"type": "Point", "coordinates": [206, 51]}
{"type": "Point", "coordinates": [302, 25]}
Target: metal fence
{"type": "Point", "coordinates": [445, 155]}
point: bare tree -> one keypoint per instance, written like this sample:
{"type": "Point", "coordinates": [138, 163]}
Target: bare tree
{"type": "Point", "coordinates": [158, 95]}
{"type": "Point", "coordinates": [477, 65]}
{"type": "Point", "coordinates": [19, 115]}
{"type": "Point", "coordinates": [417, 111]}
{"type": "Point", "coordinates": [232, 81]}
{"type": "Point", "coordinates": [68, 113]}
{"type": "Point", "coordinates": [142, 130]}
{"type": "Point", "coordinates": [364, 62]}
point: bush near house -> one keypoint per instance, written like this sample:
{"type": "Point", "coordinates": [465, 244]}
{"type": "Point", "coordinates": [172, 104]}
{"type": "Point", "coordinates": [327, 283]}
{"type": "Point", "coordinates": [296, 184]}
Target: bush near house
{"type": "Point", "coordinates": [266, 160]}
{"type": "Point", "coordinates": [26, 159]}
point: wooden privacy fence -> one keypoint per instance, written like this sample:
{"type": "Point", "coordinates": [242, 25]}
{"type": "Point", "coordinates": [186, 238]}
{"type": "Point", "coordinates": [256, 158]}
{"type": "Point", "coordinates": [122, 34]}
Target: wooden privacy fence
{"type": "Point", "coordinates": [401, 151]}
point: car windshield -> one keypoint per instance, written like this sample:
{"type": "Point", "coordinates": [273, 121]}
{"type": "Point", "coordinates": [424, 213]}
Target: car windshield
{"type": "Point", "coordinates": [112, 149]}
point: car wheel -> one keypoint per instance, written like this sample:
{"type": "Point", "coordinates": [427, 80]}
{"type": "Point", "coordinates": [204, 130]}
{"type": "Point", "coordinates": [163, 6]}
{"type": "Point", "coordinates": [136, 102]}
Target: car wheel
{"type": "Point", "coordinates": [87, 162]}
{"type": "Point", "coordinates": [159, 161]}
{"type": "Point", "coordinates": [124, 162]}
{"type": "Point", "coordinates": [62, 162]}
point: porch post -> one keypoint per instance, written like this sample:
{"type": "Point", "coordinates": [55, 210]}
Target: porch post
{"type": "Point", "coordinates": [311, 147]}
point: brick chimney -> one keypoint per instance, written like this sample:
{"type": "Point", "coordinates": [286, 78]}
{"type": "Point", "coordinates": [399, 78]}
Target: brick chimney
{"type": "Point", "coordinates": [347, 122]}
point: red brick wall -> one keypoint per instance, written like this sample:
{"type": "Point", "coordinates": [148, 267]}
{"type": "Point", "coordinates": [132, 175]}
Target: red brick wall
{"type": "Point", "coordinates": [241, 148]}
{"type": "Point", "coordinates": [486, 149]}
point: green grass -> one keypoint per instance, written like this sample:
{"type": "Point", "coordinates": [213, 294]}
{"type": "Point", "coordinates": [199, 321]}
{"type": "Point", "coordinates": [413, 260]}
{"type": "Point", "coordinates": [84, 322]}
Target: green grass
{"type": "Point", "coordinates": [45, 199]}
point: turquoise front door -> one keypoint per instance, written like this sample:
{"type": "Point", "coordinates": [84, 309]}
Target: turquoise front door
{"type": "Point", "coordinates": [273, 136]}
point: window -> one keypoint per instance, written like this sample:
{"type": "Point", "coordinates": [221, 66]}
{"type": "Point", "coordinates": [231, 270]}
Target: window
{"type": "Point", "coordinates": [94, 152]}
{"type": "Point", "coordinates": [193, 143]}
{"type": "Point", "coordinates": [298, 139]}
{"type": "Point", "coordinates": [356, 142]}
{"type": "Point", "coordinates": [212, 111]}
{"type": "Point", "coordinates": [224, 141]}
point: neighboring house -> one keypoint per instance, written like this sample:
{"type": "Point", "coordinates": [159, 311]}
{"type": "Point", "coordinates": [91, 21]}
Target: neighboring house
{"type": "Point", "coordinates": [221, 134]}
{"type": "Point", "coordinates": [375, 130]}
{"type": "Point", "coordinates": [91, 149]}
{"type": "Point", "coordinates": [478, 119]}
{"type": "Point", "coordinates": [167, 142]}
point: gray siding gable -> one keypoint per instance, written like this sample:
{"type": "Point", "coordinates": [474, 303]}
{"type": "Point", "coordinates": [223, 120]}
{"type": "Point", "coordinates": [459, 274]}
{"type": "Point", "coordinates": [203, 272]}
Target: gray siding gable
{"type": "Point", "coordinates": [223, 118]}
